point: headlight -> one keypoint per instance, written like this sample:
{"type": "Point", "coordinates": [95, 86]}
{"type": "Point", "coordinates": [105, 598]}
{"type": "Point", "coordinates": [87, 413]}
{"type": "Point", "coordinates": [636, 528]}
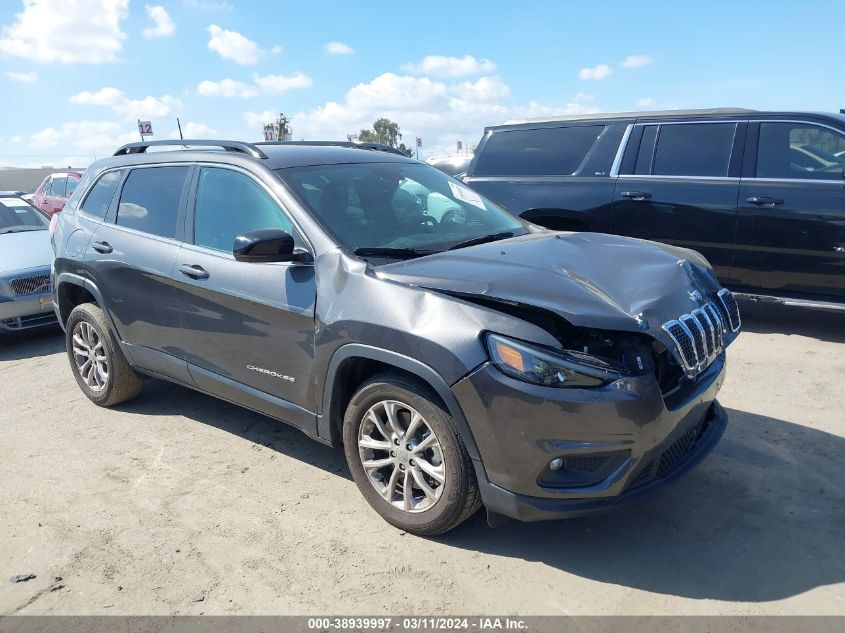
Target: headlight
{"type": "Point", "coordinates": [550, 368]}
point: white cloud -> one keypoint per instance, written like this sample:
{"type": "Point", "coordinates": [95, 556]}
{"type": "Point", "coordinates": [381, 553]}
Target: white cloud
{"type": "Point", "coordinates": [233, 46]}
{"type": "Point", "coordinates": [338, 48]}
{"type": "Point", "coordinates": [128, 108]}
{"type": "Point", "coordinates": [484, 89]}
{"type": "Point", "coordinates": [277, 84]}
{"type": "Point", "coordinates": [194, 130]}
{"type": "Point", "coordinates": [102, 136]}
{"type": "Point", "coordinates": [277, 49]}
{"type": "Point", "coordinates": [226, 88]}
{"type": "Point", "coordinates": [80, 32]}
{"type": "Point", "coordinates": [441, 66]}
{"type": "Point", "coordinates": [266, 84]}
{"type": "Point", "coordinates": [208, 5]}
{"type": "Point", "coordinates": [256, 120]}
{"type": "Point", "coordinates": [596, 73]}
{"type": "Point", "coordinates": [394, 92]}
{"type": "Point", "coordinates": [645, 102]}
{"type": "Point", "coordinates": [638, 61]}
{"type": "Point", "coordinates": [24, 78]}
{"type": "Point", "coordinates": [163, 23]}
{"type": "Point", "coordinates": [434, 110]}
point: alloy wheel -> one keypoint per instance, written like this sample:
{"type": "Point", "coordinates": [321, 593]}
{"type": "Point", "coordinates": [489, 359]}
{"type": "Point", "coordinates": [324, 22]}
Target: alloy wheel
{"type": "Point", "coordinates": [401, 456]}
{"type": "Point", "coordinates": [89, 354]}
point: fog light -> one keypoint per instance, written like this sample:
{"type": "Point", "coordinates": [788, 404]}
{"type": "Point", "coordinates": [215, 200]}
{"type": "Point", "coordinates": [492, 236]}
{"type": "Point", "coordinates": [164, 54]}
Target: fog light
{"type": "Point", "coordinates": [555, 464]}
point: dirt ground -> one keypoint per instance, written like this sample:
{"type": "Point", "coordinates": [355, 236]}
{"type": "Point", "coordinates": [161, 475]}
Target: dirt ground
{"type": "Point", "coordinates": [177, 503]}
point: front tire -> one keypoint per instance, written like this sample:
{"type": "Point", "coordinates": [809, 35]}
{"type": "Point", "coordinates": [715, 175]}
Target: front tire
{"type": "Point", "coordinates": [97, 363]}
{"type": "Point", "coordinates": [406, 457]}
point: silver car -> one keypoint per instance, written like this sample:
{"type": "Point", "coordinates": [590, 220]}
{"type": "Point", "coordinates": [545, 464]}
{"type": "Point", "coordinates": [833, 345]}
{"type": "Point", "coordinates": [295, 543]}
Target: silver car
{"type": "Point", "coordinates": [25, 256]}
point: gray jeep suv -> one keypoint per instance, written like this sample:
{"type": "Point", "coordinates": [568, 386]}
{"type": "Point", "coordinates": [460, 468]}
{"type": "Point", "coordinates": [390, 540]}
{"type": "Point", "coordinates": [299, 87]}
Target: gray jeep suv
{"type": "Point", "coordinates": [469, 359]}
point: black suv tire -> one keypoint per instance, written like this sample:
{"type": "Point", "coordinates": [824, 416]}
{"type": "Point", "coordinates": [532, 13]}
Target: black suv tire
{"type": "Point", "coordinates": [121, 382]}
{"type": "Point", "coordinates": [460, 497]}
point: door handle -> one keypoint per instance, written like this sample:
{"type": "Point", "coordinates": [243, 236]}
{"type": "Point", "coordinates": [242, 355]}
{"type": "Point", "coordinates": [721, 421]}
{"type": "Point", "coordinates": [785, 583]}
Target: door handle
{"type": "Point", "coordinates": [636, 195]}
{"type": "Point", "coordinates": [102, 247]}
{"type": "Point", "coordinates": [764, 201]}
{"type": "Point", "coordinates": [194, 272]}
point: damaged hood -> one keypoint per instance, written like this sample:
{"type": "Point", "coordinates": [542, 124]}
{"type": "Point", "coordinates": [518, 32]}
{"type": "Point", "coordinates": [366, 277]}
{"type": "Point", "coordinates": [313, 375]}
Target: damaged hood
{"type": "Point", "coordinates": [590, 279]}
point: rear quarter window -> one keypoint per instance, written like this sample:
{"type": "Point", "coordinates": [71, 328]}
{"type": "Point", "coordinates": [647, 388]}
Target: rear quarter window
{"type": "Point", "coordinates": [537, 152]}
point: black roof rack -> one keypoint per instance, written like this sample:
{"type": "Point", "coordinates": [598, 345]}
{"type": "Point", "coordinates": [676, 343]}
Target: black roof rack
{"type": "Point", "coordinates": [230, 146]}
{"type": "Point", "coordinates": [378, 147]}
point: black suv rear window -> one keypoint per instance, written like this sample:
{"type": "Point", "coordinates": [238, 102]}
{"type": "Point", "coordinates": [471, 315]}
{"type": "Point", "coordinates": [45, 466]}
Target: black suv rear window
{"type": "Point", "coordinates": [150, 200]}
{"type": "Point", "coordinates": [537, 152]}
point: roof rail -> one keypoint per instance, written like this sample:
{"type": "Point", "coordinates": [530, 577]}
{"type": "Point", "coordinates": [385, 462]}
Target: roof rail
{"type": "Point", "coordinates": [378, 147]}
{"type": "Point", "coordinates": [230, 146]}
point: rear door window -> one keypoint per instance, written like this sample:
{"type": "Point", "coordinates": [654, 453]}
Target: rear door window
{"type": "Point", "coordinates": [57, 187]}
{"type": "Point", "coordinates": [150, 200]}
{"type": "Point", "coordinates": [537, 152]}
{"type": "Point", "coordinates": [98, 200]}
{"type": "Point", "coordinates": [693, 149]}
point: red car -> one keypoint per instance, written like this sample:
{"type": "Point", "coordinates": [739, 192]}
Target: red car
{"type": "Point", "coordinates": [54, 191]}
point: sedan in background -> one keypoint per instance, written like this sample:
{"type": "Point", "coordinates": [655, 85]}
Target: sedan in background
{"type": "Point", "coordinates": [54, 191]}
{"type": "Point", "coordinates": [25, 256]}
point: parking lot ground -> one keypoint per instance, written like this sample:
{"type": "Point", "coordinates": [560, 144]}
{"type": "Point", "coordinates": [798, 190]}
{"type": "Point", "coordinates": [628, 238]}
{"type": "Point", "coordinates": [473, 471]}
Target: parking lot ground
{"type": "Point", "coordinates": [177, 503]}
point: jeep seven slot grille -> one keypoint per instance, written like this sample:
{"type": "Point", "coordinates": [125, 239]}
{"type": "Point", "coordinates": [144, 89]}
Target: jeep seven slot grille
{"type": "Point", "coordinates": [700, 335]}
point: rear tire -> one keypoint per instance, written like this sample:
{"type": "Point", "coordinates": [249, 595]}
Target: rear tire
{"type": "Point", "coordinates": [97, 363]}
{"type": "Point", "coordinates": [421, 452]}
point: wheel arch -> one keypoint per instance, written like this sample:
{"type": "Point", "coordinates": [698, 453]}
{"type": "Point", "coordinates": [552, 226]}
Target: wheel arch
{"type": "Point", "coordinates": [347, 362]}
{"type": "Point", "coordinates": [73, 290]}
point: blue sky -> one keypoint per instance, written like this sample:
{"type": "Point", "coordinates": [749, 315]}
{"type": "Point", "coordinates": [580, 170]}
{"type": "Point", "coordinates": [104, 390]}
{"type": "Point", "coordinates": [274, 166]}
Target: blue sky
{"type": "Point", "coordinates": [76, 74]}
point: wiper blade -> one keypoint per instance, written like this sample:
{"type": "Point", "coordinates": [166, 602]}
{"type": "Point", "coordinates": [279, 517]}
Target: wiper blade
{"type": "Point", "coordinates": [399, 253]}
{"type": "Point", "coordinates": [493, 237]}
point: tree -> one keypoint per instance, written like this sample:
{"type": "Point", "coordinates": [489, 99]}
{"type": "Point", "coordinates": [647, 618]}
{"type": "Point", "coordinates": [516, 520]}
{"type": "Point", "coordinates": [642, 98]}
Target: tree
{"type": "Point", "coordinates": [386, 132]}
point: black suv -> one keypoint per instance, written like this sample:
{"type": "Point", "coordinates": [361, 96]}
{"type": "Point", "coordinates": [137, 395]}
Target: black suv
{"type": "Point", "coordinates": [473, 359]}
{"type": "Point", "coordinates": [760, 194]}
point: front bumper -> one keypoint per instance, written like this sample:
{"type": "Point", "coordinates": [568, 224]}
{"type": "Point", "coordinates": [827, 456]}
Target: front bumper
{"type": "Point", "coordinates": [646, 442]}
{"type": "Point", "coordinates": [26, 312]}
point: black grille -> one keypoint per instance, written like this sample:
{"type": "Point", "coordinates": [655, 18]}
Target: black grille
{"type": "Point", "coordinates": [684, 342]}
{"type": "Point", "coordinates": [30, 285]}
{"type": "Point", "coordinates": [731, 309]}
{"type": "Point", "coordinates": [586, 463]}
{"type": "Point", "coordinates": [671, 458]}
{"type": "Point", "coordinates": [24, 322]}
{"type": "Point", "coordinates": [674, 455]}
{"type": "Point", "coordinates": [697, 335]}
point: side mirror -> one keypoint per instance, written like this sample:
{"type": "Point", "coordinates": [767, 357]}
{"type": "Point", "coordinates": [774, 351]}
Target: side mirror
{"type": "Point", "coordinates": [267, 245]}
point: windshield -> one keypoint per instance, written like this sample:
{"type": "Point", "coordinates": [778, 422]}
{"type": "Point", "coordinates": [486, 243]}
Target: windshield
{"type": "Point", "coordinates": [17, 215]}
{"type": "Point", "coordinates": [407, 206]}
